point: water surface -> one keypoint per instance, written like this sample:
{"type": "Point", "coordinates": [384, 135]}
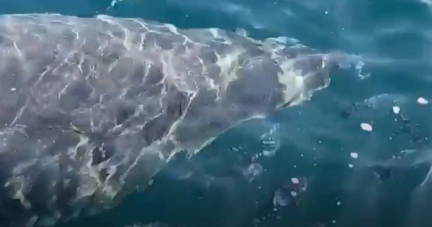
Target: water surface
{"type": "Point", "coordinates": [314, 142]}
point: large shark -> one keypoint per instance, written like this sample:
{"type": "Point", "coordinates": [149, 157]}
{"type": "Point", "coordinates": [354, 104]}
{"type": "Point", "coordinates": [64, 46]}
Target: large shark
{"type": "Point", "coordinates": [92, 108]}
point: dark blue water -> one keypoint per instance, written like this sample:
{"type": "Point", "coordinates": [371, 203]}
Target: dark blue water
{"type": "Point", "coordinates": [313, 142]}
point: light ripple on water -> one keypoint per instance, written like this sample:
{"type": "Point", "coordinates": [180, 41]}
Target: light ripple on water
{"type": "Point", "coordinates": [381, 102]}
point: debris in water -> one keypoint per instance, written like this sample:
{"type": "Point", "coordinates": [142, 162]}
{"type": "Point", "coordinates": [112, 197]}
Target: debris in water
{"type": "Point", "coordinates": [422, 101]}
{"type": "Point", "coordinates": [396, 109]}
{"type": "Point", "coordinates": [350, 165]}
{"type": "Point", "coordinates": [295, 180]}
{"type": "Point", "coordinates": [382, 173]}
{"type": "Point", "coordinates": [253, 171]}
{"type": "Point", "coordinates": [408, 151]}
{"type": "Point", "coordinates": [270, 141]}
{"type": "Point", "coordinates": [354, 155]}
{"type": "Point", "coordinates": [113, 3]}
{"type": "Point", "coordinates": [366, 127]}
{"type": "Point", "coordinates": [280, 199]}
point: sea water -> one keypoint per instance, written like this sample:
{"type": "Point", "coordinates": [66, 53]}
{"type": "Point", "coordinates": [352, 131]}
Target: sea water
{"type": "Point", "coordinates": [356, 154]}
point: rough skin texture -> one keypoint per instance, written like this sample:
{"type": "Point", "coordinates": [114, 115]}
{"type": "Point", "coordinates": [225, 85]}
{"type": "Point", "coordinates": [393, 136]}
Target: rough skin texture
{"type": "Point", "coordinates": [92, 108]}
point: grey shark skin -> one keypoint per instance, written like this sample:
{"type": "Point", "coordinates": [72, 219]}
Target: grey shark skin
{"type": "Point", "coordinates": [92, 108]}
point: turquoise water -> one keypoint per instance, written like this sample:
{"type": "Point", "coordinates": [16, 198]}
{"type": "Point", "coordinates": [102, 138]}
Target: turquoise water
{"type": "Point", "coordinates": [313, 142]}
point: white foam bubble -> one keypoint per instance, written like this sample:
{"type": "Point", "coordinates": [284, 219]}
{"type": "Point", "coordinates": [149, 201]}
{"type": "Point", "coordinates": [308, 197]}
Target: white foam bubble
{"type": "Point", "coordinates": [422, 101]}
{"type": "Point", "coordinates": [366, 127]}
{"type": "Point", "coordinates": [354, 155]}
{"type": "Point", "coordinates": [396, 109]}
